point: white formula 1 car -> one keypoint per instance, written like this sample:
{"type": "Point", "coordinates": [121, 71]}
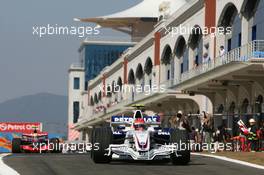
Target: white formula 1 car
{"type": "Point", "coordinates": [139, 137]}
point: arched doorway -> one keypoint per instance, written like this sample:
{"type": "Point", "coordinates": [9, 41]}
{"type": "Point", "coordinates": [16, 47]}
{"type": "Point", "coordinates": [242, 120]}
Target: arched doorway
{"type": "Point", "coordinates": [258, 104]}
{"type": "Point", "coordinates": [91, 101]}
{"type": "Point", "coordinates": [96, 98]}
{"type": "Point", "coordinates": [233, 119]}
{"type": "Point", "coordinates": [131, 82]}
{"type": "Point", "coordinates": [119, 89]}
{"type": "Point", "coordinates": [119, 84]}
{"type": "Point", "coordinates": [109, 95]}
{"type": "Point", "coordinates": [218, 119]}
{"type": "Point", "coordinates": [244, 111]}
{"type": "Point", "coordinates": [250, 7]}
{"type": "Point", "coordinates": [148, 71]}
{"type": "Point", "coordinates": [140, 75]}
{"type": "Point", "coordinates": [244, 108]}
{"type": "Point", "coordinates": [196, 44]}
{"type": "Point", "coordinates": [253, 11]}
{"type": "Point", "coordinates": [259, 110]}
{"type": "Point", "coordinates": [229, 19]}
{"type": "Point", "coordinates": [220, 109]}
{"type": "Point", "coordinates": [182, 53]}
{"type": "Point", "coordinates": [166, 61]}
{"type": "Point", "coordinates": [131, 77]}
{"type": "Point", "coordinates": [100, 96]}
{"type": "Point", "coordinates": [109, 91]}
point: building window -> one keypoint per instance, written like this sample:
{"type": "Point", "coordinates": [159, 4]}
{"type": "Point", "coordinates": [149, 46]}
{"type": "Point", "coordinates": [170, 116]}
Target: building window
{"type": "Point", "coordinates": [86, 85]}
{"type": "Point", "coordinates": [168, 75]}
{"type": "Point", "coordinates": [181, 67]}
{"type": "Point", "coordinates": [229, 44]}
{"type": "Point", "coordinates": [254, 33]}
{"type": "Point", "coordinates": [76, 83]}
{"type": "Point", "coordinates": [76, 111]}
{"type": "Point", "coordinates": [196, 60]}
{"type": "Point", "coordinates": [239, 39]}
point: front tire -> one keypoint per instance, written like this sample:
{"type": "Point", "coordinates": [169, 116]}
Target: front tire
{"type": "Point", "coordinates": [180, 137]}
{"type": "Point", "coordinates": [103, 137]}
{"type": "Point", "coordinates": [16, 143]}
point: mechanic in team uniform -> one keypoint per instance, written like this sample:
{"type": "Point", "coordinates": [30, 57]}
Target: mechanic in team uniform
{"type": "Point", "coordinates": [252, 137]}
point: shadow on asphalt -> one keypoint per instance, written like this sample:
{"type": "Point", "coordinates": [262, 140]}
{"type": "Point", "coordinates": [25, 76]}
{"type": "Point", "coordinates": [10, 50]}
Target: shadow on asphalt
{"type": "Point", "coordinates": [155, 164]}
{"type": "Point", "coordinates": [151, 163]}
{"type": "Point", "coordinates": [113, 162]}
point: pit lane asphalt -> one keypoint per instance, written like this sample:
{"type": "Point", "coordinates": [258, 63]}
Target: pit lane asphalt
{"type": "Point", "coordinates": [80, 164]}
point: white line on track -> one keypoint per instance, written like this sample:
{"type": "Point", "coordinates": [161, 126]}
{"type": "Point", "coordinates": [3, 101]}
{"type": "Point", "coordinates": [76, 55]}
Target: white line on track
{"type": "Point", "coordinates": [231, 160]}
{"type": "Point", "coordinates": [4, 169]}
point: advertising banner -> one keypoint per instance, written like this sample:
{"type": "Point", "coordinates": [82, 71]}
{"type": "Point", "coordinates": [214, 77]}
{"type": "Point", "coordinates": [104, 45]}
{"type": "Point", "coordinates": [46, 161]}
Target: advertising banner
{"type": "Point", "coordinates": [19, 127]}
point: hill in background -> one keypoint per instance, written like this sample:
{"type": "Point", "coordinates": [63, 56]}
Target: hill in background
{"type": "Point", "coordinates": [49, 109]}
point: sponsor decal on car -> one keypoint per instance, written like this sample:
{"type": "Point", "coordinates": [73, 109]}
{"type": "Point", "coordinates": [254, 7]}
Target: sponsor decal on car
{"type": "Point", "coordinates": [129, 119]}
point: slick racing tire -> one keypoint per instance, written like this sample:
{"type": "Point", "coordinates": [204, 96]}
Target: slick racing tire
{"type": "Point", "coordinates": [180, 137]}
{"type": "Point", "coordinates": [55, 145]}
{"type": "Point", "coordinates": [16, 142]}
{"type": "Point", "coordinates": [103, 137]}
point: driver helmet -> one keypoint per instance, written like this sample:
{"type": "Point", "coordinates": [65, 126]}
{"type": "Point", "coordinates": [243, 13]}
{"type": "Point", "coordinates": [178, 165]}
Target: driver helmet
{"type": "Point", "coordinates": [139, 124]}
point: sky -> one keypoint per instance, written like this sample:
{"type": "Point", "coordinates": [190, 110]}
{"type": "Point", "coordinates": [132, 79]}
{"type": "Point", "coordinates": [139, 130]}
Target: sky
{"type": "Point", "coordinates": [30, 64]}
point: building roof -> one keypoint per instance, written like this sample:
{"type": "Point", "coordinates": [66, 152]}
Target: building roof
{"type": "Point", "coordinates": [111, 43]}
{"type": "Point", "coordinates": [145, 10]}
{"type": "Point", "coordinates": [91, 42]}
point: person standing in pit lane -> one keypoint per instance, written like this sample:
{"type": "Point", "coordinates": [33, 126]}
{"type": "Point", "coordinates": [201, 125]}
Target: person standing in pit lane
{"type": "Point", "coordinates": [208, 129]}
{"type": "Point", "coordinates": [252, 137]}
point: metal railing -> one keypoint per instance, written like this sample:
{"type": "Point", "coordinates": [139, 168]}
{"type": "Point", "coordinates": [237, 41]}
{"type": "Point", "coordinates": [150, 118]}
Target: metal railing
{"type": "Point", "coordinates": [254, 49]}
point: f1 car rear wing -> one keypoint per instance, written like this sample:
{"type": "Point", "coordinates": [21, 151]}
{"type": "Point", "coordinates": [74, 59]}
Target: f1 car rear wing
{"type": "Point", "coordinates": [123, 120]}
{"type": "Point", "coordinates": [40, 134]}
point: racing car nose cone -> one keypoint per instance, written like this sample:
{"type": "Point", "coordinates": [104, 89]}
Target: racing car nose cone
{"type": "Point", "coordinates": [142, 143]}
{"type": "Point", "coordinates": [141, 139]}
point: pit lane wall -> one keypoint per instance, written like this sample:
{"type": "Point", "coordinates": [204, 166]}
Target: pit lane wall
{"type": "Point", "coordinates": [10, 130]}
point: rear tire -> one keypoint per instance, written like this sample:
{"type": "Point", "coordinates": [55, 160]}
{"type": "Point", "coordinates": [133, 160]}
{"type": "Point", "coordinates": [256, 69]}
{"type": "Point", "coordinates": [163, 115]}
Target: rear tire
{"type": "Point", "coordinates": [103, 137]}
{"type": "Point", "coordinates": [16, 143]}
{"type": "Point", "coordinates": [177, 137]}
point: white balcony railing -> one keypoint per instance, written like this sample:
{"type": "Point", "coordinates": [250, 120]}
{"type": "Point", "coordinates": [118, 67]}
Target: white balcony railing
{"type": "Point", "coordinates": [254, 49]}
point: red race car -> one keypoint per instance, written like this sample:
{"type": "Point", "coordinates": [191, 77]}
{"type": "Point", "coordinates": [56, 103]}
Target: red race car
{"type": "Point", "coordinates": [36, 142]}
